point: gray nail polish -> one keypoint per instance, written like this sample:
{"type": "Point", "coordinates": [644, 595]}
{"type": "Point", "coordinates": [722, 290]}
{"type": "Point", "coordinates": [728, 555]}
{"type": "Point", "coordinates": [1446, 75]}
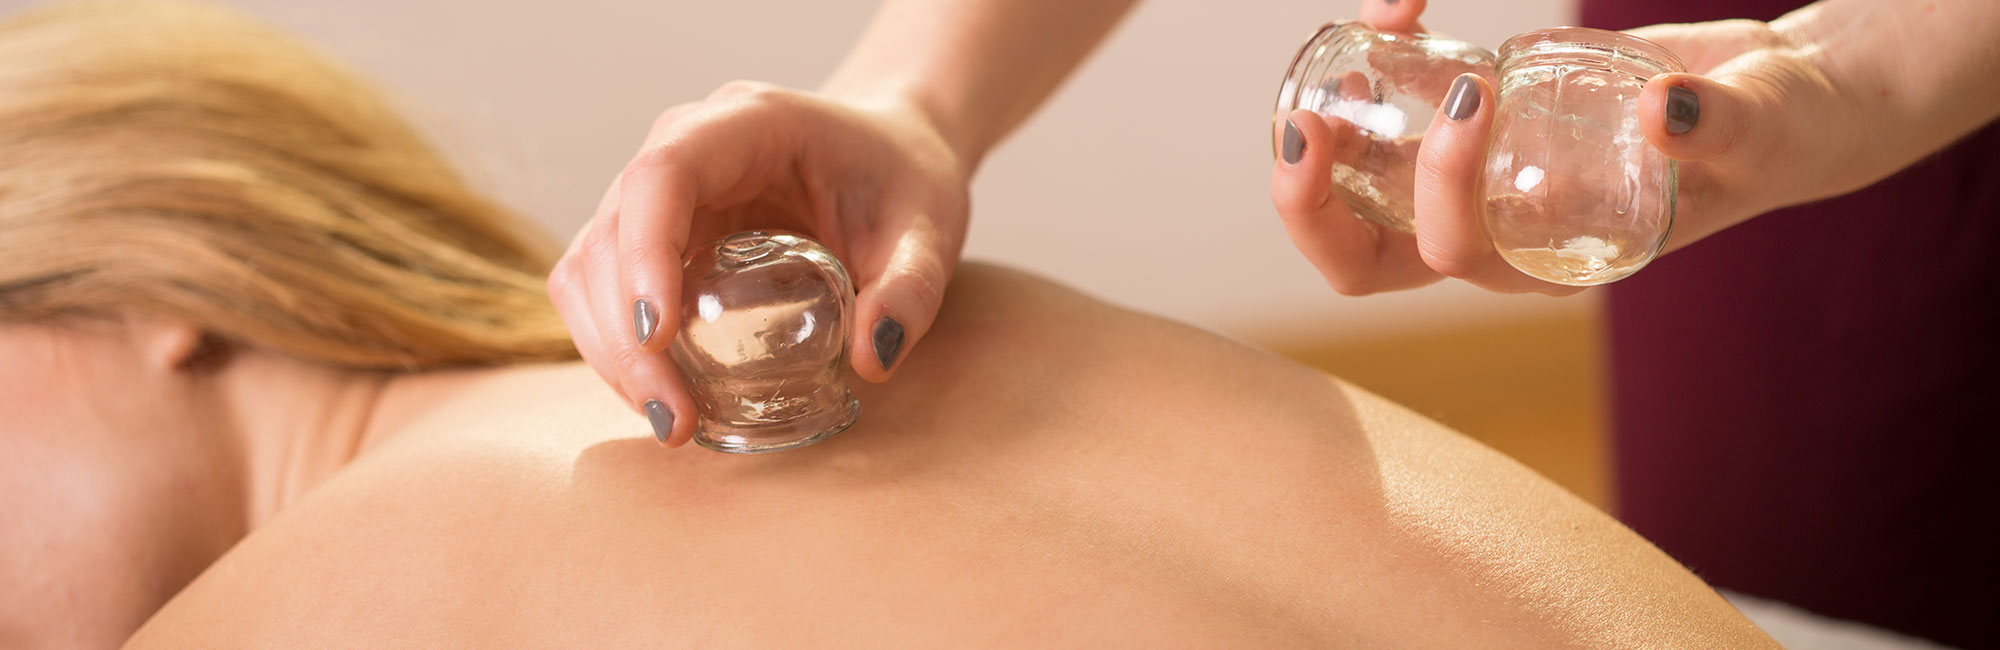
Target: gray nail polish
{"type": "Point", "coordinates": [661, 418]}
{"type": "Point", "coordinates": [888, 340]}
{"type": "Point", "coordinates": [1295, 144]}
{"type": "Point", "coordinates": [1683, 110]}
{"type": "Point", "coordinates": [644, 319]}
{"type": "Point", "coordinates": [1463, 100]}
{"type": "Point", "coordinates": [1391, 2]}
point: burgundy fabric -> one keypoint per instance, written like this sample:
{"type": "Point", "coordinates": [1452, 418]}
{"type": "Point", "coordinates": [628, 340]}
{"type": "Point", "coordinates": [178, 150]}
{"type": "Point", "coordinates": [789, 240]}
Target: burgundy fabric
{"type": "Point", "coordinates": [1805, 405]}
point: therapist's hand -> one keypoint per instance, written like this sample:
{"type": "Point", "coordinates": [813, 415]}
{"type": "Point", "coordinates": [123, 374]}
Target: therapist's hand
{"type": "Point", "coordinates": [873, 182]}
{"type": "Point", "coordinates": [1753, 132]}
{"type": "Point", "coordinates": [1358, 257]}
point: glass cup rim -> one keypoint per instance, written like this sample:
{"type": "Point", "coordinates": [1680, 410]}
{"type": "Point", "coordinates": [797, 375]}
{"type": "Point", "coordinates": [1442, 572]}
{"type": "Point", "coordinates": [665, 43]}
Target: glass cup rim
{"type": "Point", "coordinates": [1287, 99]}
{"type": "Point", "coordinates": [1326, 30]}
{"type": "Point", "coordinates": [1287, 90]}
{"type": "Point", "coordinates": [1619, 44]}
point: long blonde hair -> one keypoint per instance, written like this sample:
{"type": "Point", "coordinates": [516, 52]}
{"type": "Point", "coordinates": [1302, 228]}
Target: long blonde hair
{"type": "Point", "coordinates": [180, 159]}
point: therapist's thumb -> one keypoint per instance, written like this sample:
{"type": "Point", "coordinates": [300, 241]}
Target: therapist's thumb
{"type": "Point", "coordinates": [901, 290]}
{"type": "Point", "coordinates": [1450, 236]}
{"type": "Point", "coordinates": [1749, 141]}
{"type": "Point", "coordinates": [1693, 118]}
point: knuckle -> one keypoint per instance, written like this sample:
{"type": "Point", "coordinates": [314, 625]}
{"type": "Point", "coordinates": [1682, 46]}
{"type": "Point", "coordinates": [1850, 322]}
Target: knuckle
{"type": "Point", "coordinates": [739, 88]}
{"type": "Point", "coordinates": [629, 362]}
{"type": "Point", "coordinates": [1757, 31]}
{"type": "Point", "coordinates": [1733, 24]}
{"type": "Point", "coordinates": [562, 278]}
{"type": "Point", "coordinates": [1346, 277]}
{"type": "Point", "coordinates": [644, 265]}
{"type": "Point", "coordinates": [1298, 207]}
{"type": "Point", "coordinates": [1446, 261]}
{"type": "Point", "coordinates": [1348, 285]}
{"type": "Point", "coordinates": [1431, 170]}
{"type": "Point", "coordinates": [652, 163]}
{"type": "Point", "coordinates": [1454, 268]}
{"type": "Point", "coordinates": [668, 117]}
{"type": "Point", "coordinates": [1293, 209]}
{"type": "Point", "coordinates": [642, 268]}
{"type": "Point", "coordinates": [748, 95]}
{"type": "Point", "coordinates": [923, 285]}
{"type": "Point", "coordinates": [600, 245]}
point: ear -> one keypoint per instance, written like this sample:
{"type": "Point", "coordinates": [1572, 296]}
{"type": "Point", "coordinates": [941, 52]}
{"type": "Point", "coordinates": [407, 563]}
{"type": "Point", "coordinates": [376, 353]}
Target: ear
{"type": "Point", "coordinates": [170, 344]}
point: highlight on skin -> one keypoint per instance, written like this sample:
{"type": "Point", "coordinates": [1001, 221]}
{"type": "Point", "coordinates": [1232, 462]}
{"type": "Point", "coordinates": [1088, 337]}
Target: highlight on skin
{"type": "Point", "coordinates": [229, 176]}
{"type": "Point", "coordinates": [221, 175]}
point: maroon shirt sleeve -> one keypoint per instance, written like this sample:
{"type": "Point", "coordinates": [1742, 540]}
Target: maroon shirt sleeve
{"type": "Point", "coordinates": [1804, 405]}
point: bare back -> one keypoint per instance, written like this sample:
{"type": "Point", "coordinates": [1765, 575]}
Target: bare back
{"type": "Point", "coordinates": [1045, 471]}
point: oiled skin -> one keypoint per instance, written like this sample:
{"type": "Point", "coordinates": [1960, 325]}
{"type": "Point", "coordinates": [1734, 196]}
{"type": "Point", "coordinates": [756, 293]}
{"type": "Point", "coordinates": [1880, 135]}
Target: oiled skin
{"type": "Point", "coordinates": [1046, 471]}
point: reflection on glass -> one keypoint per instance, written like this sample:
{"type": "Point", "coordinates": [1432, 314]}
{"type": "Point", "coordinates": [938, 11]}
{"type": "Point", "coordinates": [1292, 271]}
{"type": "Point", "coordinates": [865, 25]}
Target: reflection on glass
{"type": "Point", "coordinates": [1573, 192]}
{"type": "Point", "coordinates": [765, 318]}
{"type": "Point", "coordinates": [1377, 91]}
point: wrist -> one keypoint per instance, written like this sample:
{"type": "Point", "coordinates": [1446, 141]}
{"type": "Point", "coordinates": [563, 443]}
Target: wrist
{"type": "Point", "coordinates": [1873, 116]}
{"type": "Point", "coordinates": [913, 107]}
{"type": "Point", "coordinates": [1825, 115]}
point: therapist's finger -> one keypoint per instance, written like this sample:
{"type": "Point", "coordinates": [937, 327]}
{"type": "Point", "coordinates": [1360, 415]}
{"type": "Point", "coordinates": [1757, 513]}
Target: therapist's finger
{"type": "Point", "coordinates": [1451, 234]}
{"type": "Point", "coordinates": [1393, 15]}
{"type": "Point", "coordinates": [721, 155]}
{"type": "Point", "coordinates": [648, 380]}
{"type": "Point", "coordinates": [656, 211]}
{"type": "Point", "coordinates": [641, 279]}
{"type": "Point", "coordinates": [1355, 257]}
{"type": "Point", "coordinates": [572, 302]}
{"type": "Point", "coordinates": [902, 279]}
{"type": "Point", "coordinates": [569, 291]}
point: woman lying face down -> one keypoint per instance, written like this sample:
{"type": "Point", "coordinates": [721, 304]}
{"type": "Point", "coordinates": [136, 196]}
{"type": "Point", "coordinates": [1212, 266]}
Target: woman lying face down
{"type": "Point", "coordinates": [271, 376]}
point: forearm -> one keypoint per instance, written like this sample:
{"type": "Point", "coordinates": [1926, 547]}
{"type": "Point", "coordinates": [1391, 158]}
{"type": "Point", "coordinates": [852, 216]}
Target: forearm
{"type": "Point", "coordinates": [975, 68]}
{"type": "Point", "coordinates": [1910, 78]}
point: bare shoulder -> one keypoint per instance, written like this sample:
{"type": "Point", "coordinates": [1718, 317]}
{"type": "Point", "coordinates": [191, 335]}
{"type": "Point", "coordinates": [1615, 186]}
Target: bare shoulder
{"type": "Point", "coordinates": [1361, 484]}
{"type": "Point", "coordinates": [1037, 442]}
{"type": "Point", "coordinates": [1047, 339]}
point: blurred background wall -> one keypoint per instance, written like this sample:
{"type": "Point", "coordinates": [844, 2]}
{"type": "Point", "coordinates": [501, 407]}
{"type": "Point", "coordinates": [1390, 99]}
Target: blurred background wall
{"type": "Point", "coordinates": [1143, 181]}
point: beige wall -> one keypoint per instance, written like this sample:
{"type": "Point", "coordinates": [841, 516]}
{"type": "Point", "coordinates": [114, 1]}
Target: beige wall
{"type": "Point", "coordinates": [1143, 181]}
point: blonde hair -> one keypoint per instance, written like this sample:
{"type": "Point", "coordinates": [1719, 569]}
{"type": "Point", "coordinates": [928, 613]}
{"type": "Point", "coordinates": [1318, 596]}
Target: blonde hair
{"type": "Point", "coordinates": [180, 159]}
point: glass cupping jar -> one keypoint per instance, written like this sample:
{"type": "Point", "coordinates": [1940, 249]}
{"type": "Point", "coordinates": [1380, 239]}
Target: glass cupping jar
{"type": "Point", "coordinates": [1572, 193]}
{"type": "Point", "coordinates": [763, 342]}
{"type": "Point", "coordinates": [1377, 91]}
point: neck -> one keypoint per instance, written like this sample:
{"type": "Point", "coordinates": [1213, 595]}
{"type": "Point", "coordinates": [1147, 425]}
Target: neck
{"type": "Point", "coordinates": [297, 424]}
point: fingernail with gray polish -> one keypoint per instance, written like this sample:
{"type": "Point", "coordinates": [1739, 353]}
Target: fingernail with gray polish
{"type": "Point", "coordinates": [1295, 144]}
{"type": "Point", "coordinates": [644, 319]}
{"type": "Point", "coordinates": [1683, 110]}
{"type": "Point", "coordinates": [1463, 100]}
{"type": "Point", "coordinates": [661, 418]}
{"type": "Point", "coordinates": [888, 340]}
